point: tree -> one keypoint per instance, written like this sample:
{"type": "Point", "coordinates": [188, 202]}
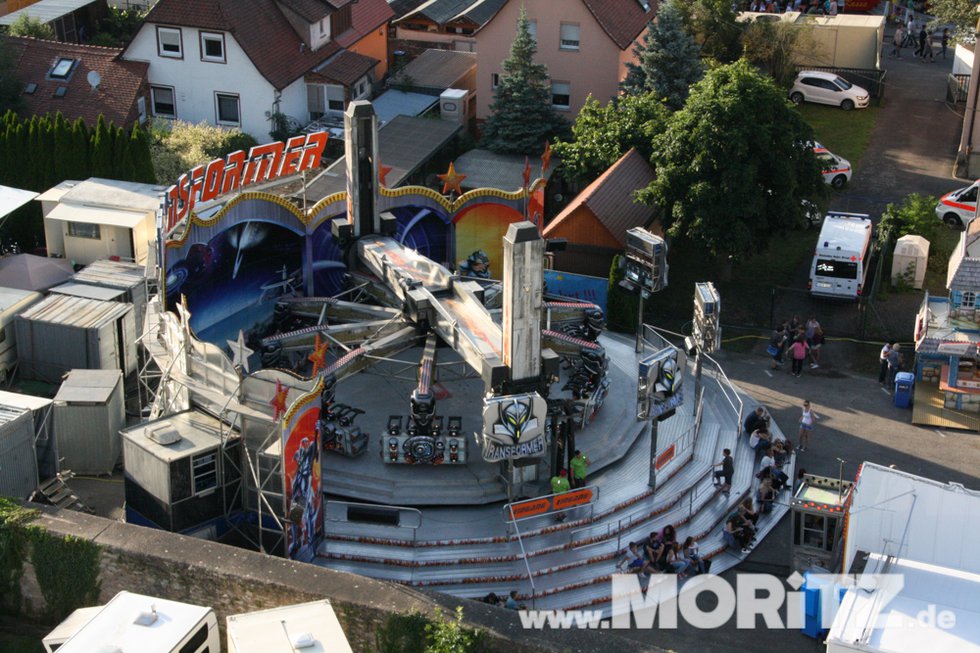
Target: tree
{"type": "Point", "coordinates": [962, 14]}
{"type": "Point", "coordinates": [521, 117]}
{"type": "Point", "coordinates": [102, 149]}
{"type": "Point", "coordinates": [10, 85]}
{"type": "Point", "coordinates": [714, 26]}
{"type": "Point", "coordinates": [33, 27]}
{"type": "Point", "coordinates": [602, 134]}
{"type": "Point", "coordinates": [669, 61]}
{"type": "Point", "coordinates": [776, 47]}
{"type": "Point", "coordinates": [143, 162]}
{"type": "Point", "coordinates": [734, 165]}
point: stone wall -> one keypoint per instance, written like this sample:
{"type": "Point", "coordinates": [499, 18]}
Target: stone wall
{"type": "Point", "coordinates": [233, 580]}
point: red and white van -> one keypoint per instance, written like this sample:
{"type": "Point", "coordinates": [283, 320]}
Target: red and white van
{"type": "Point", "coordinates": [836, 170]}
{"type": "Point", "coordinates": [959, 207]}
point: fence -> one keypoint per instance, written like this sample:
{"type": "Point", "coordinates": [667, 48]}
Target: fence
{"type": "Point", "coordinates": [867, 78]}
{"type": "Point", "coordinates": [957, 85]}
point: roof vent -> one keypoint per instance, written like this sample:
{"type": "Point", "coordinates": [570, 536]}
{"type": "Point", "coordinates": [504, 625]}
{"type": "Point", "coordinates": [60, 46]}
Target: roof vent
{"type": "Point", "coordinates": [60, 91]}
{"type": "Point", "coordinates": [163, 434]}
{"type": "Point", "coordinates": [147, 617]}
{"type": "Point", "coordinates": [303, 640]}
{"type": "Point", "coordinates": [645, 5]}
{"type": "Point", "coordinates": [30, 88]}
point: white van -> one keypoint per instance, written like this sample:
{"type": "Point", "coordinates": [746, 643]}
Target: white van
{"type": "Point", "coordinates": [840, 262]}
{"type": "Point", "coordinates": [958, 207]}
{"type": "Point", "coordinates": [133, 622]}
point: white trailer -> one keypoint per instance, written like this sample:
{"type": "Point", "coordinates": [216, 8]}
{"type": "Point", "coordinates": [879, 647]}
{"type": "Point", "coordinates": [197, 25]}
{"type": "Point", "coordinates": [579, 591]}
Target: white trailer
{"type": "Point", "coordinates": [842, 257]}
{"type": "Point", "coordinates": [134, 623]}
{"type": "Point", "coordinates": [306, 627]}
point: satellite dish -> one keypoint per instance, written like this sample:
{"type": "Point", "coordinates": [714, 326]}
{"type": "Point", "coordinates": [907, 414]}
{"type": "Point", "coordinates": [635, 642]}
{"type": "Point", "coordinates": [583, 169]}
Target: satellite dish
{"type": "Point", "coordinates": [94, 79]}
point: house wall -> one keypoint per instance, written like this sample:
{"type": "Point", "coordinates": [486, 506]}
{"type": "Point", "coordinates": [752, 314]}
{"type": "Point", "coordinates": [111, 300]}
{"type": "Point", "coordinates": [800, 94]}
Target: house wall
{"type": "Point", "coordinates": [114, 241]}
{"type": "Point", "coordinates": [582, 227]}
{"type": "Point", "coordinates": [594, 68]}
{"type": "Point", "coordinates": [195, 82]}
{"type": "Point", "coordinates": [459, 42]}
{"type": "Point", "coordinates": [375, 45]}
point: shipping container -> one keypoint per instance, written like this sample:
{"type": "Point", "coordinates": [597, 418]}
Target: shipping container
{"type": "Point", "coordinates": [45, 444]}
{"type": "Point", "coordinates": [148, 624]}
{"type": "Point", "coordinates": [13, 302]}
{"type": "Point", "coordinates": [179, 477]}
{"type": "Point", "coordinates": [88, 414]}
{"type": "Point", "coordinates": [119, 275]}
{"type": "Point", "coordinates": [18, 462]}
{"type": "Point", "coordinates": [308, 627]}
{"type": "Point", "coordinates": [63, 333]}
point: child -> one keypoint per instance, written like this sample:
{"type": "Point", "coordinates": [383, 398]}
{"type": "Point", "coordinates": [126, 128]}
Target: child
{"type": "Point", "coordinates": [799, 350]}
{"type": "Point", "coordinates": [806, 425]}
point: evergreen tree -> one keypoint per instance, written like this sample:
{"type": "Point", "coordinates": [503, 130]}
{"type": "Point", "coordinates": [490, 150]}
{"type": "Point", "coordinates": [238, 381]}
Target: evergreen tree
{"type": "Point", "coordinates": [79, 153]}
{"type": "Point", "coordinates": [122, 158]}
{"type": "Point", "coordinates": [522, 118]}
{"type": "Point", "coordinates": [142, 161]}
{"type": "Point", "coordinates": [10, 86]}
{"type": "Point", "coordinates": [62, 148]}
{"type": "Point", "coordinates": [668, 59]}
{"type": "Point", "coordinates": [45, 154]}
{"type": "Point", "coordinates": [102, 150]}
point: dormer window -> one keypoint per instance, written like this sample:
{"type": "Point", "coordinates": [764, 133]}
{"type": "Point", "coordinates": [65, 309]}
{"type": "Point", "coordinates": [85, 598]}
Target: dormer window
{"type": "Point", "coordinates": [62, 68]}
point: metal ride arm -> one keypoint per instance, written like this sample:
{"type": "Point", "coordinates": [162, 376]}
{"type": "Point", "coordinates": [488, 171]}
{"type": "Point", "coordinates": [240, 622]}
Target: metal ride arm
{"type": "Point", "coordinates": [347, 334]}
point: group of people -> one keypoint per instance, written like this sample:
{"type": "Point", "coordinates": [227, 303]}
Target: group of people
{"type": "Point", "coordinates": [818, 7]}
{"type": "Point", "coordinates": [919, 37]}
{"type": "Point", "coordinates": [890, 360]}
{"type": "Point", "coordinates": [563, 482]}
{"type": "Point", "coordinates": [802, 341]}
{"type": "Point", "coordinates": [661, 553]}
{"type": "Point", "coordinates": [510, 601]}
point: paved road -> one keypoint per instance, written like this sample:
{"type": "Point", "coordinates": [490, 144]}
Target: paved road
{"type": "Point", "coordinates": [912, 150]}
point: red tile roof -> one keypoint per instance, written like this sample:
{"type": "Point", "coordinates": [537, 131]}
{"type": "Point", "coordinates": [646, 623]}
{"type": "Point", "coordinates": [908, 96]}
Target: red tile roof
{"type": "Point", "coordinates": [622, 20]}
{"type": "Point", "coordinates": [265, 35]}
{"type": "Point", "coordinates": [610, 197]}
{"type": "Point", "coordinates": [121, 84]}
{"type": "Point", "coordinates": [311, 10]}
{"type": "Point", "coordinates": [346, 68]}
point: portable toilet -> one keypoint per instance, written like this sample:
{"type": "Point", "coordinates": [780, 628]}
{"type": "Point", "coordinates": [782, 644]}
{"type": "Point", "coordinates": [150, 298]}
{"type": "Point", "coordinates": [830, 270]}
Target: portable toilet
{"type": "Point", "coordinates": [909, 260]}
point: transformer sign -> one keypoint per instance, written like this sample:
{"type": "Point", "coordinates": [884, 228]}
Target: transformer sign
{"type": "Point", "coordinates": [513, 427]}
{"type": "Point", "coordinates": [659, 386]}
{"type": "Point", "coordinates": [239, 170]}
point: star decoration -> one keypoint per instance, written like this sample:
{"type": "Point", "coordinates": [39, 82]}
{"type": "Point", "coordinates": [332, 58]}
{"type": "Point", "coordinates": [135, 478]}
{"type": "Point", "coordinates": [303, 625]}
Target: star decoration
{"type": "Point", "coordinates": [278, 402]}
{"type": "Point", "coordinates": [239, 351]}
{"type": "Point", "coordinates": [383, 171]}
{"type": "Point", "coordinates": [319, 355]}
{"type": "Point", "coordinates": [546, 158]}
{"type": "Point", "coordinates": [527, 172]}
{"type": "Point", "coordinates": [452, 180]}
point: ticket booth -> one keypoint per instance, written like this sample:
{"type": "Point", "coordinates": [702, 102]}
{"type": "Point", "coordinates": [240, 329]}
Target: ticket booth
{"type": "Point", "coordinates": [818, 507]}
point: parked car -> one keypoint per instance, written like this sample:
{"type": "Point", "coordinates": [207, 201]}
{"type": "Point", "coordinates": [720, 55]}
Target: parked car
{"type": "Point", "coordinates": [959, 207]}
{"type": "Point", "coordinates": [827, 88]}
{"type": "Point", "coordinates": [836, 170]}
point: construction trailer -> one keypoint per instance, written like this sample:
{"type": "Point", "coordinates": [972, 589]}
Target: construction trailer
{"type": "Point", "coordinates": [134, 622]}
{"type": "Point", "coordinates": [183, 474]}
{"type": "Point", "coordinates": [45, 444]}
{"type": "Point", "coordinates": [130, 278]}
{"type": "Point", "coordinates": [13, 302]}
{"type": "Point", "coordinates": [63, 333]}
{"type": "Point", "coordinates": [88, 412]}
{"type": "Point", "coordinates": [18, 460]}
{"type": "Point", "coordinates": [307, 627]}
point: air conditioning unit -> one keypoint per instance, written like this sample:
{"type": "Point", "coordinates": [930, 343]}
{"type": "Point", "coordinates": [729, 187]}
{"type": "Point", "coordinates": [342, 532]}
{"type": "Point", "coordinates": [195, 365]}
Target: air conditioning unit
{"type": "Point", "coordinates": [454, 105]}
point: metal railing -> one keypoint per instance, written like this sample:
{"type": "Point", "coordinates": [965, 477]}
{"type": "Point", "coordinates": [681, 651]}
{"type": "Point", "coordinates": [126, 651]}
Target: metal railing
{"type": "Point", "coordinates": [730, 394]}
{"type": "Point", "coordinates": [402, 510]}
{"type": "Point", "coordinates": [527, 564]}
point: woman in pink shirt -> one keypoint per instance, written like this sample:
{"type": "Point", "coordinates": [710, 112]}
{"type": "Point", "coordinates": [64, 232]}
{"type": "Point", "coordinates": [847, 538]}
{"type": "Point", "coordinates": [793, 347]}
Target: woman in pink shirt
{"type": "Point", "coordinates": [798, 352]}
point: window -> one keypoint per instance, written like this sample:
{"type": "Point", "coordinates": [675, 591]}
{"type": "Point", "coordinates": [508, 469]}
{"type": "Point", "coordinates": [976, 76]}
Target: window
{"type": "Point", "coordinates": [227, 109]}
{"type": "Point", "coordinates": [969, 196]}
{"type": "Point", "coordinates": [204, 471]}
{"type": "Point", "coordinates": [30, 88]}
{"type": "Point", "coordinates": [213, 47]}
{"type": "Point", "coordinates": [169, 42]}
{"type": "Point", "coordinates": [141, 109]}
{"type": "Point", "coordinates": [561, 95]}
{"type": "Point", "coordinates": [836, 269]}
{"type": "Point", "coordinates": [969, 299]}
{"type": "Point", "coordinates": [361, 88]}
{"type": "Point", "coordinates": [84, 230]}
{"type": "Point", "coordinates": [322, 28]}
{"type": "Point", "coordinates": [162, 98]}
{"type": "Point", "coordinates": [569, 36]}
{"type": "Point", "coordinates": [335, 98]}
{"type": "Point", "coordinates": [315, 101]}
{"type": "Point", "coordinates": [62, 69]}
{"type": "Point", "coordinates": [532, 28]}
{"type": "Point", "coordinates": [194, 643]}
{"type": "Point", "coordinates": [843, 83]}
{"type": "Point", "coordinates": [494, 81]}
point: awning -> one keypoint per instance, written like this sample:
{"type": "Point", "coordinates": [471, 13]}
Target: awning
{"type": "Point", "coordinates": [12, 199]}
{"type": "Point", "coordinates": [97, 215]}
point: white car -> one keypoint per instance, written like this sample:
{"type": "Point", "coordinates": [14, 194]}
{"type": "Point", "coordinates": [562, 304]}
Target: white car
{"type": "Point", "coordinates": [827, 88]}
{"type": "Point", "coordinates": [836, 170]}
{"type": "Point", "coordinates": [959, 207]}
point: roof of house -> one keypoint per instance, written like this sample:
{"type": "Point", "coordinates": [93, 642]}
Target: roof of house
{"type": "Point", "coordinates": [345, 68]}
{"type": "Point", "coordinates": [121, 82]}
{"type": "Point", "coordinates": [310, 10]}
{"type": "Point", "coordinates": [402, 7]}
{"type": "Point", "coordinates": [622, 20]}
{"type": "Point", "coordinates": [447, 11]}
{"type": "Point", "coordinates": [437, 69]}
{"type": "Point", "coordinates": [610, 197]}
{"type": "Point", "coordinates": [261, 29]}
{"type": "Point", "coordinates": [45, 11]}
{"type": "Point", "coordinates": [486, 169]}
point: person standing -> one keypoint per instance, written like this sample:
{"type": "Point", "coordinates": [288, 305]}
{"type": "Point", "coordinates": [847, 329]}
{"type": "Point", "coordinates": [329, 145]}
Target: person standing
{"type": "Point", "coordinates": [883, 361]}
{"type": "Point", "coordinates": [898, 41]}
{"type": "Point", "coordinates": [894, 364]}
{"type": "Point", "coordinates": [806, 425]}
{"type": "Point", "coordinates": [579, 466]}
{"type": "Point", "coordinates": [726, 472]}
{"type": "Point", "coordinates": [945, 41]}
{"type": "Point", "coordinates": [777, 342]}
{"type": "Point", "coordinates": [798, 351]}
{"type": "Point", "coordinates": [921, 45]}
{"type": "Point", "coordinates": [559, 484]}
{"type": "Point", "coordinates": [927, 52]}
{"type": "Point", "coordinates": [816, 344]}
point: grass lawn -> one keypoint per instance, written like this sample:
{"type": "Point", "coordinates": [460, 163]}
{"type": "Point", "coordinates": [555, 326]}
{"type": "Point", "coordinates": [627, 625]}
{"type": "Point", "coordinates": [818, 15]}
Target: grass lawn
{"type": "Point", "coordinates": [845, 133]}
